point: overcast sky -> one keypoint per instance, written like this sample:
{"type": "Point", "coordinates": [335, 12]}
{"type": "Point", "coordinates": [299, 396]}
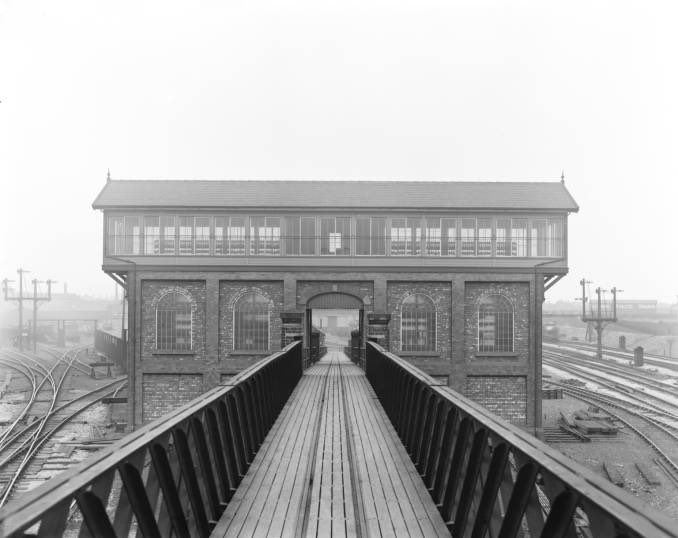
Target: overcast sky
{"type": "Point", "coordinates": [342, 90]}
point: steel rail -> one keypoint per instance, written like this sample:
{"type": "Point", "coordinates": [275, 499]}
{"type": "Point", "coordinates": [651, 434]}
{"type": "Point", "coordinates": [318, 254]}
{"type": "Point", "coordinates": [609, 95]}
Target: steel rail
{"type": "Point", "coordinates": [21, 448]}
{"type": "Point", "coordinates": [41, 370]}
{"type": "Point", "coordinates": [57, 354]}
{"type": "Point", "coordinates": [652, 359]}
{"type": "Point", "coordinates": [15, 365]}
{"type": "Point", "coordinates": [593, 399]}
{"type": "Point", "coordinates": [44, 437]}
{"type": "Point", "coordinates": [602, 381]}
{"type": "Point", "coordinates": [41, 423]}
{"type": "Point", "coordinates": [616, 369]}
{"type": "Point", "coordinates": [650, 411]}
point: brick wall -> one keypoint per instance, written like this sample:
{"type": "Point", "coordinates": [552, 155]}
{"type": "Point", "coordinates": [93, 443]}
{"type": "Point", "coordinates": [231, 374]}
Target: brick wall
{"type": "Point", "coordinates": [229, 292]}
{"type": "Point", "coordinates": [151, 292]}
{"type": "Point", "coordinates": [505, 396]}
{"type": "Point", "coordinates": [213, 294]}
{"type": "Point", "coordinates": [433, 363]}
{"type": "Point", "coordinates": [161, 393]}
{"type": "Point", "coordinates": [364, 290]}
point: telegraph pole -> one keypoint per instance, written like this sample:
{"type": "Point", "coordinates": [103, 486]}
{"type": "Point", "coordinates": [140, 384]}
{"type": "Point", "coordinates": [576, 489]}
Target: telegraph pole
{"type": "Point", "coordinates": [599, 318]}
{"type": "Point", "coordinates": [36, 299]}
{"type": "Point", "coordinates": [21, 298]}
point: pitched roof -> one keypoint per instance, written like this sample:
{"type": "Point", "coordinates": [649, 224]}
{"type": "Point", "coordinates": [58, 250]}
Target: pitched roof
{"type": "Point", "coordinates": [335, 194]}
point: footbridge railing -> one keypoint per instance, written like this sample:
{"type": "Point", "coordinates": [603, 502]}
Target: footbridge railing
{"type": "Point", "coordinates": [172, 477]}
{"type": "Point", "coordinates": [113, 347]}
{"type": "Point", "coordinates": [490, 478]}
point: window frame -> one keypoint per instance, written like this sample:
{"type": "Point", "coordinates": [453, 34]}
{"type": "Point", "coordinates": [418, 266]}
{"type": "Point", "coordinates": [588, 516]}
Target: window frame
{"type": "Point", "coordinates": [235, 337]}
{"type": "Point", "coordinates": [434, 319]}
{"type": "Point", "coordinates": [495, 351]}
{"type": "Point", "coordinates": [191, 308]}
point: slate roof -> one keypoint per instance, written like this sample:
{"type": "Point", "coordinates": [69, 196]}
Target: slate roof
{"type": "Point", "coordinates": [335, 194]}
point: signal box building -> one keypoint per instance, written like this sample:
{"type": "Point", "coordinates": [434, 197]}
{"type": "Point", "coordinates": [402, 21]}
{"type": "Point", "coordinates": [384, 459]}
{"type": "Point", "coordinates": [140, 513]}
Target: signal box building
{"type": "Point", "coordinates": [448, 275]}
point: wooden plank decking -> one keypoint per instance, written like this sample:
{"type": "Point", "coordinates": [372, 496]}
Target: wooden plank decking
{"type": "Point", "coordinates": [332, 465]}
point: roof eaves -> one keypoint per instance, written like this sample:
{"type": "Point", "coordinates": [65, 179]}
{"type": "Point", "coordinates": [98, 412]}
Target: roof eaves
{"type": "Point", "coordinates": [95, 203]}
{"type": "Point", "coordinates": [575, 206]}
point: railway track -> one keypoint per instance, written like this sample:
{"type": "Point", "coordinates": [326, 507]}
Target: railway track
{"type": "Point", "coordinates": [28, 438]}
{"type": "Point", "coordinates": [651, 417]}
{"type": "Point", "coordinates": [648, 402]}
{"type": "Point", "coordinates": [662, 439]}
{"type": "Point", "coordinates": [631, 373]}
{"type": "Point", "coordinates": [650, 359]}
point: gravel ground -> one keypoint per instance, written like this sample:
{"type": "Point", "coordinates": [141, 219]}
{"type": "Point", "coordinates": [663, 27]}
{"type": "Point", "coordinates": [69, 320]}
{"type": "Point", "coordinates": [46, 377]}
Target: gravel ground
{"type": "Point", "coordinates": [623, 451]}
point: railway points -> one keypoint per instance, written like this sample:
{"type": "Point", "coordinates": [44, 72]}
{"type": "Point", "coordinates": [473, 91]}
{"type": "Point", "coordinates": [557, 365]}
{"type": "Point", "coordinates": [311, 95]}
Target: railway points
{"type": "Point", "coordinates": [50, 402]}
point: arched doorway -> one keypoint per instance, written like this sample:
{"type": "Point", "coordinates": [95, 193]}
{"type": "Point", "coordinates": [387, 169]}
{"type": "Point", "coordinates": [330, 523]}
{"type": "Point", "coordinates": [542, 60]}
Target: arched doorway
{"type": "Point", "coordinates": [334, 302]}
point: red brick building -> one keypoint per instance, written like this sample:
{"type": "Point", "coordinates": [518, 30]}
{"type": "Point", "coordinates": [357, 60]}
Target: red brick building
{"type": "Point", "coordinates": [221, 273]}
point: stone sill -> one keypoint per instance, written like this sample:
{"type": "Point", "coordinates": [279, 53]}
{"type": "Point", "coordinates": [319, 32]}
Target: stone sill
{"type": "Point", "coordinates": [265, 352]}
{"type": "Point", "coordinates": [497, 354]}
{"type": "Point", "coordinates": [172, 352]}
{"type": "Point", "coordinates": [418, 354]}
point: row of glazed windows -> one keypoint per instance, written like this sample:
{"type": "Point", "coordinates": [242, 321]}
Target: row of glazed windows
{"type": "Point", "coordinates": [172, 235]}
{"type": "Point", "coordinates": [251, 318]}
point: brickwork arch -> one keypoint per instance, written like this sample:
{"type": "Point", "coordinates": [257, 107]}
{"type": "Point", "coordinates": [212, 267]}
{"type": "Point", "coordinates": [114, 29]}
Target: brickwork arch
{"type": "Point", "coordinates": [336, 300]}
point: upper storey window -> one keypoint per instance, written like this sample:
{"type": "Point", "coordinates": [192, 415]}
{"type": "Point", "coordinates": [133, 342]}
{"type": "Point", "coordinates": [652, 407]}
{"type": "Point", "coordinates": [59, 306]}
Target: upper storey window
{"type": "Point", "coordinates": [335, 236]}
{"type": "Point", "coordinates": [265, 236]}
{"type": "Point", "coordinates": [518, 237]}
{"type": "Point", "coordinates": [406, 236]}
{"type": "Point", "coordinates": [468, 237]}
{"type": "Point", "coordinates": [370, 236]}
{"type": "Point", "coordinates": [168, 234]}
{"type": "Point", "coordinates": [433, 237]}
{"type": "Point", "coordinates": [186, 235]}
{"type": "Point", "coordinates": [194, 236]}
{"type": "Point", "coordinates": [202, 235]}
{"type": "Point", "coordinates": [173, 327]}
{"type": "Point", "coordinates": [297, 235]}
{"type": "Point", "coordinates": [448, 230]}
{"type": "Point", "coordinates": [116, 235]}
{"type": "Point", "coordinates": [229, 236]}
{"type": "Point", "coordinates": [539, 238]}
{"type": "Point", "coordinates": [557, 238]}
{"type": "Point", "coordinates": [308, 236]}
{"type": "Point", "coordinates": [151, 235]}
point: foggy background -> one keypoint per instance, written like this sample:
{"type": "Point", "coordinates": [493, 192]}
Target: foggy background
{"type": "Point", "coordinates": [342, 90]}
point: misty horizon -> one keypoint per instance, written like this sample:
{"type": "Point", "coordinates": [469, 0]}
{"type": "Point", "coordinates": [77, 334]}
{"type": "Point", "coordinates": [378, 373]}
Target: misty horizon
{"type": "Point", "coordinates": [342, 91]}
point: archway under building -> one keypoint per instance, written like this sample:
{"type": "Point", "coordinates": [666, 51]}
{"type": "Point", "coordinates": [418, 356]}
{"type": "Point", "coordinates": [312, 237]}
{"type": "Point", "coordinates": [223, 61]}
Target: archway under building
{"type": "Point", "coordinates": [340, 317]}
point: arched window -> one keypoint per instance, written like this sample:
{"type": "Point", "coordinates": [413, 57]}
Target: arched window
{"type": "Point", "coordinates": [418, 324]}
{"type": "Point", "coordinates": [251, 314]}
{"type": "Point", "coordinates": [495, 324]}
{"type": "Point", "coordinates": [173, 326]}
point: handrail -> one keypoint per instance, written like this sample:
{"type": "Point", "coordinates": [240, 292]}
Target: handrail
{"type": "Point", "coordinates": [485, 474]}
{"type": "Point", "coordinates": [184, 466]}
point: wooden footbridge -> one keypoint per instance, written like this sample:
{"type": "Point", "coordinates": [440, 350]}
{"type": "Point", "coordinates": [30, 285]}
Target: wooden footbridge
{"type": "Point", "coordinates": [330, 450]}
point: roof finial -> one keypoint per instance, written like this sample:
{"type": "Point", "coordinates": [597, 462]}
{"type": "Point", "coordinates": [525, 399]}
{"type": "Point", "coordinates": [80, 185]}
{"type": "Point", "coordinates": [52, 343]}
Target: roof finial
{"type": "Point", "coordinates": [562, 177]}
{"type": "Point", "coordinates": [108, 175]}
